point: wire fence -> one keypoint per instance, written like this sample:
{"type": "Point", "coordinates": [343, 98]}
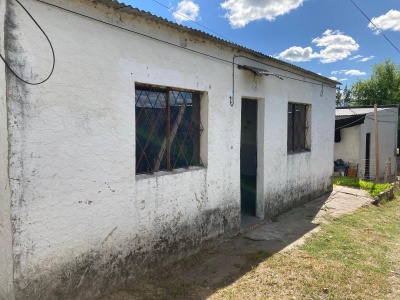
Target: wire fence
{"type": "Point", "coordinates": [366, 170]}
{"type": "Point", "coordinates": [397, 167]}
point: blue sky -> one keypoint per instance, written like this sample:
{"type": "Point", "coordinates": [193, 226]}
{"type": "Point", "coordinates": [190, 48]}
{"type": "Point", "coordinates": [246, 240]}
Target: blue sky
{"type": "Point", "coordinates": [329, 37]}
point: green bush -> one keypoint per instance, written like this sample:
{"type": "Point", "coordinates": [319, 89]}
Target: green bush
{"type": "Point", "coordinates": [374, 189]}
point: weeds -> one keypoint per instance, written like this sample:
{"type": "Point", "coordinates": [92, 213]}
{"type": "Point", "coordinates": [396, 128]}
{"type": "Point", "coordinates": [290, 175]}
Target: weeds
{"type": "Point", "coordinates": [374, 189]}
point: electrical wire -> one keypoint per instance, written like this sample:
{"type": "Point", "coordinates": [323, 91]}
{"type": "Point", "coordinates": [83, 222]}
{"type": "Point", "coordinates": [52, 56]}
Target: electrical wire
{"type": "Point", "coordinates": [366, 116]}
{"type": "Point", "coordinates": [380, 31]}
{"type": "Point", "coordinates": [194, 21]}
{"type": "Point", "coordinates": [52, 50]}
{"type": "Point", "coordinates": [184, 48]}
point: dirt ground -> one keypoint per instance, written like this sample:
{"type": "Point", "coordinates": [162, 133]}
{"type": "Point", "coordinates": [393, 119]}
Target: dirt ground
{"type": "Point", "coordinates": [201, 275]}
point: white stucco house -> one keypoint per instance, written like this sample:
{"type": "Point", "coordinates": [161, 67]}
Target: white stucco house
{"type": "Point", "coordinates": [355, 138]}
{"type": "Point", "coordinates": [147, 143]}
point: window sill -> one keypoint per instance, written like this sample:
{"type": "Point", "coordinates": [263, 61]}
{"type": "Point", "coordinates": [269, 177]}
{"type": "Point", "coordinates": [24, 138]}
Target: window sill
{"type": "Point", "coordinates": [299, 152]}
{"type": "Point", "coordinates": [166, 173]}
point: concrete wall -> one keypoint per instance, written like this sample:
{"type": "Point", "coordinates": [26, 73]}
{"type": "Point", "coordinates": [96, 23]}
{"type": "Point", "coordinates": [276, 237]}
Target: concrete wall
{"type": "Point", "coordinates": [349, 147]}
{"type": "Point", "coordinates": [83, 222]}
{"type": "Point", "coordinates": [387, 138]}
{"type": "Point", "coordinates": [6, 259]}
{"type": "Point", "coordinates": [286, 180]}
{"type": "Point", "coordinates": [352, 147]}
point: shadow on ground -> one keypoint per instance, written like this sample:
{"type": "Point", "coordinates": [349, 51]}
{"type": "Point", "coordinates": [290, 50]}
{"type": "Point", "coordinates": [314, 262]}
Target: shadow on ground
{"type": "Point", "coordinates": [201, 275]}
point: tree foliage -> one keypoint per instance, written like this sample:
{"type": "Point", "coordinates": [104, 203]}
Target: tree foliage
{"type": "Point", "coordinates": [343, 97]}
{"type": "Point", "coordinates": [383, 87]}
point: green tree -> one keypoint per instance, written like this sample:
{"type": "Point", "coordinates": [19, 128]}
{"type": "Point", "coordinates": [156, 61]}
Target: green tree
{"type": "Point", "coordinates": [343, 97]}
{"type": "Point", "coordinates": [383, 87]}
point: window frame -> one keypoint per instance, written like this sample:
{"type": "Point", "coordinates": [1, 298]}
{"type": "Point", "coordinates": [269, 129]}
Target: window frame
{"type": "Point", "coordinates": [173, 128]}
{"type": "Point", "coordinates": [298, 128]}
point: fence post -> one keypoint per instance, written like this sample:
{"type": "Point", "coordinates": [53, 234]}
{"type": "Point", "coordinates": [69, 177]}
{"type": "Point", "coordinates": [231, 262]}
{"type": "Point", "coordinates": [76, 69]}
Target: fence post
{"type": "Point", "coordinates": [388, 169]}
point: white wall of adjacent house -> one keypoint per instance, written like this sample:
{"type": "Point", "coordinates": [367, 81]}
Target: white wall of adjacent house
{"type": "Point", "coordinates": [387, 139]}
{"type": "Point", "coordinates": [352, 147]}
{"type": "Point", "coordinates": [82, 218]}
{"type": "Point", "coordinates": [6, 259]}
{"type": "Point", "coordinates": [348, 149]}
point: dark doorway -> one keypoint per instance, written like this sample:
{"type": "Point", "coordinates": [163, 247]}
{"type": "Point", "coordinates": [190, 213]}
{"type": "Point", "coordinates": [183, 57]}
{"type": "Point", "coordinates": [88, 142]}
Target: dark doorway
{"type": "Point", "coordinates": [248, 158]}
{"type": "Point", "coordinates": [367, 154]}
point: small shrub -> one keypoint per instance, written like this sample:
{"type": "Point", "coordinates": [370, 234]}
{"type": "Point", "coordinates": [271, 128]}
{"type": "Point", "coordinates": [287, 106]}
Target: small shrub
{"type": "Point", "coordinates": [374, 189]}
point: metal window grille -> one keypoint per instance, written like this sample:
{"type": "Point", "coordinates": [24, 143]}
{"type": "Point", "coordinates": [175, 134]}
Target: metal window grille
{"type": "Point", "coordinates": [297, 128]}
{"type": "Point", "coordinates": [168, 129]}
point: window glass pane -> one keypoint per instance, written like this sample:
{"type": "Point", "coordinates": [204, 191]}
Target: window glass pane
{"type": "Point", "coordinates": [297, 116]}
{"type": "Point", "coordinates": [151, 118]}
{"type": "Point", "coordinates": [290, 128]}
{"type": "Point", "coordinates": [168, 129]}
{"type": "Point", "coordinates": [185, 129]}
{"type": "Point", "coordinates": [302, 124]}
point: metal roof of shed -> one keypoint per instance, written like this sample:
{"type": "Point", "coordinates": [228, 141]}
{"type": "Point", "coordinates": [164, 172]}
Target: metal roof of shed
{"type": "Point", "coordinates": [361, 110]}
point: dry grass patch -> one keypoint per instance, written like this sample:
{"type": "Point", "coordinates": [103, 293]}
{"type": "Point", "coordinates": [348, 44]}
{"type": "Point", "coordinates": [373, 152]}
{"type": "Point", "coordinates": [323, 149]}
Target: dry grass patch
{"type": "Point", "coordinates": [297, 275]}
{"type": "Point", "coordinates": [348, 259]}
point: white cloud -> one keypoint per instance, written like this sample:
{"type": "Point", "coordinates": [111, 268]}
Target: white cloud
{"type": "Point", "coordinates": [389, 21]}
{"type": "Point", "coordinates": [338, 72]}
{"type": "Point", "coordinates": [242, 12]}
{"type": "Point", "coordinates": [355, 57]}
{"type": "Point", "coordinates": [355, 73]}
{"type": "Point", "coordinates": [361, 58]}
{"type": "Point", "coordinates": [336, 79]}
{"type": "Point", "coordinates": [186, 10]}
{"type": "Point", "coordinates": [297, 54]}
{"type": "Point", "coordinates": [366, 58]}
{"type": "Point", "coordinates": [349, 72]}
{"type": "Point", "coordinates": [335, 46]}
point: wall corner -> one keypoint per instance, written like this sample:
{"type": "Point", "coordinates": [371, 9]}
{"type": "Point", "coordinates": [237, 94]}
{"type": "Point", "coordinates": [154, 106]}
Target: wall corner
{"type": "Point", "coordinates": [6, 255]}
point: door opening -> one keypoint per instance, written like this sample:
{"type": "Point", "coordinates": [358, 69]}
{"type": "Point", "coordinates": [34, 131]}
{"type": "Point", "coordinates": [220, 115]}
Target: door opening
{"type": "Point", "coordinates": [367, 155]}
{"type": "Point", "coordinates": [248, 158]}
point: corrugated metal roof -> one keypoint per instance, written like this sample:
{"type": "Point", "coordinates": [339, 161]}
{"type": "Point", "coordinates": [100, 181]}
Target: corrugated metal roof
{"type": "Point", "coordinates": [120, 6]}
{"type": "Point", "coordinates": [354, 111]}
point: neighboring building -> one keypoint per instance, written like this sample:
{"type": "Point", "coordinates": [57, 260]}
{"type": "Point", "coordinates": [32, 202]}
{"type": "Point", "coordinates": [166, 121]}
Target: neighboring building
{"type": "Point", "coordinates": [132, 154]}
{"type": "Point", "coordinates": [355, 138]}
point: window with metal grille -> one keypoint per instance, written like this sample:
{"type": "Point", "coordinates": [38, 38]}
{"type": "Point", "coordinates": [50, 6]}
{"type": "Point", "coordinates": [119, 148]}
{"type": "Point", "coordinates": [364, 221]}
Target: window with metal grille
{"type": "Point", "coordinates": [168, 129]}
{"type": "Point", "coordinates": [297, 127]}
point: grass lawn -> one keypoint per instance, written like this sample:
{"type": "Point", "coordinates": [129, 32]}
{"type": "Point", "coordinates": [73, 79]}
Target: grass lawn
{"type": "Point", "coordinates": [373, 188]}
{"type": "Point", "coordinates": [351, 257]}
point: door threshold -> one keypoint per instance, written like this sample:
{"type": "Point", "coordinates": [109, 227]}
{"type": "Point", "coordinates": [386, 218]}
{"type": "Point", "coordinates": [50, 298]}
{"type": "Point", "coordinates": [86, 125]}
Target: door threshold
{"type": "Point", "coordinates": [248, 222]}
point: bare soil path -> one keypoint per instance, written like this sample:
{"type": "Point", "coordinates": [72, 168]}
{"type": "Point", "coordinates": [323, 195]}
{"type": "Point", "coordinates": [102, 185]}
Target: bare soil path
{"type": "Point", "coordinates": [201, 275]}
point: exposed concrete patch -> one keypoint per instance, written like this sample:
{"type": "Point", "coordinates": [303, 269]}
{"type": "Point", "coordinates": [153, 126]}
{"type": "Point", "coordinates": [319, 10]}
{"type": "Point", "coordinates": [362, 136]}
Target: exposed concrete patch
{"type": "Point", "coordinates": [307, 217]}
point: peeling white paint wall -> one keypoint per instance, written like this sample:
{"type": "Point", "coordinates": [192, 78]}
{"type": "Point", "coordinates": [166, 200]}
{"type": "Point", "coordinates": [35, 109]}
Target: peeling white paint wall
{"type": "Point", "coordinates": [349, 147]}
{"type": "Point", "coordinates": [285, 180]}
{"type": "Point", "coordinates": [84, 222]}
{"type": "Point", "coordinates": [6, 259]}
{"type": "Point", "coordinates": [387, 138]}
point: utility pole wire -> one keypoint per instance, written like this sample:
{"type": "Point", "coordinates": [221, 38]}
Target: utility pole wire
{"type": "Point", "coordinates": [194, 21]}
{"type": "Point", "coordinates": [380, 31]}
